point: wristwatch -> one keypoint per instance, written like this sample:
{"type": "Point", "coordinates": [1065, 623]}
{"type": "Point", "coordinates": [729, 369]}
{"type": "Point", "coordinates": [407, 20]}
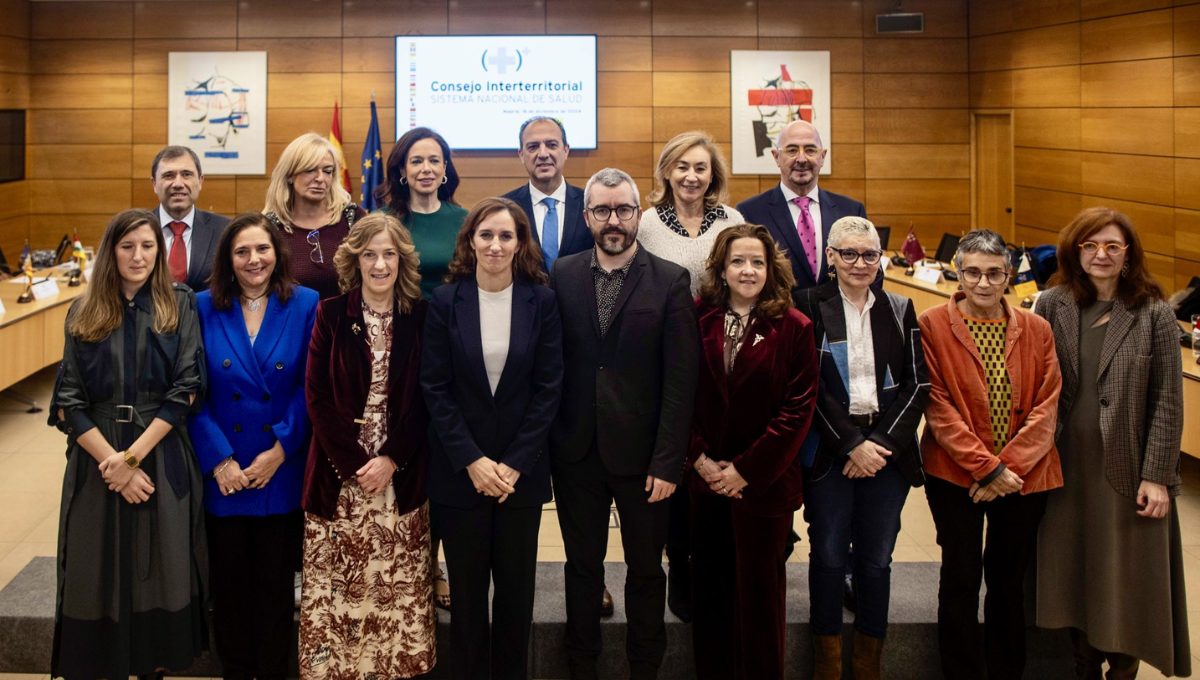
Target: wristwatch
{"type": "Point", "coordinates": [131, 461]}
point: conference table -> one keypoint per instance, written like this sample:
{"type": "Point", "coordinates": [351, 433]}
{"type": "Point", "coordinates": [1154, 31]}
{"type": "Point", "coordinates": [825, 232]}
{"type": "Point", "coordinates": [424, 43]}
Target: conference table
{"type": "Point", "coordinates": [31, 335]}
{"type": "Point", "coordinates": [925, 295]}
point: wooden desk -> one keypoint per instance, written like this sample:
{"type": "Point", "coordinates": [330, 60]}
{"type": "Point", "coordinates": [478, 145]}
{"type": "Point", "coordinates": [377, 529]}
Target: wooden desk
{"type": "Point", "coordinates": [926, 295]}
{"type": "Point", "coordinates": [31, 335]}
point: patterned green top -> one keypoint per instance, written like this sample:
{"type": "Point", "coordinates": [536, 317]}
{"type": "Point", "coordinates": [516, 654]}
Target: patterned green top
{"type": "Point", "coordinates": [989, 336]}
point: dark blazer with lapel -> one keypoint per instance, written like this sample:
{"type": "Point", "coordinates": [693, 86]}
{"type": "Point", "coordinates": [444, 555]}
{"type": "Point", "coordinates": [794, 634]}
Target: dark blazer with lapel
{"type": "Point", "coordinates": [758, 417]}
{"type": "Point", "coordinates": [206, 234]}
{"type": "Point", "coordinates": [770, 209]}
{"type": "Point", "coordinates": [255, 397]}
{"type": "Point", "coordinates": [1140, 382]}
{"type": "Point", "coordinates": [337, 384]}
{"type": "Point", "coordinates": [510, 427]}
{"type": "Point", "coordinates": [632, 391]}
{"type": "Point", "coordinates": [901, 382]}
{"type": "Point", "coordinates": [576, 237]}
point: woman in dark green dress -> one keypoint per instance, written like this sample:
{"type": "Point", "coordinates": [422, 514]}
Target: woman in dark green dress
{"type": "Point", "coordinates": [420, 193]}
{"type": "Point", "coordinates": [1110, 556]}
{"type": "Point", "coordinates": [131, 552]}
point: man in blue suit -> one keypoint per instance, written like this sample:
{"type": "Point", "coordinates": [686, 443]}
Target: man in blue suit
{"type": "Point", "coordinates": [547, 199]}
{"type": "Point", "coordinates": [797, 212]}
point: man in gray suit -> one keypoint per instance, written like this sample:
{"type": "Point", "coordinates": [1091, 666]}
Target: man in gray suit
{"type": "Point", "coordinates": [191, 234]}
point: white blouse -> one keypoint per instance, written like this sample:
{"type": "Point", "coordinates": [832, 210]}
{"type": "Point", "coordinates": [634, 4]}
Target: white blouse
{"type": "Point", "coordinates": [495, 324]}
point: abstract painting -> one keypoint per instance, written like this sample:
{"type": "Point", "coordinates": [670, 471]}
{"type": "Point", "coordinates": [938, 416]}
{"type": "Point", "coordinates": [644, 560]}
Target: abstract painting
{"type": "Point", "coordinates": [218, 108]}
{"type": "Point", "coordinates": [768, 90]}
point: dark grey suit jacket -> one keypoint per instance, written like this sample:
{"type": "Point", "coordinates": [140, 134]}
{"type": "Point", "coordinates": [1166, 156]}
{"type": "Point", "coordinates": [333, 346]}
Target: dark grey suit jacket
{"type": "Point", "coordinates": [206, 234]}
{"type": "Point", "coordinates": [576, 237]}
{"type": "Point", "coordinates": [1140, 383]}
{"type": "Point", "coordinates": [770, 209]}
{"type": "Point", "coordinates": [632, 391]}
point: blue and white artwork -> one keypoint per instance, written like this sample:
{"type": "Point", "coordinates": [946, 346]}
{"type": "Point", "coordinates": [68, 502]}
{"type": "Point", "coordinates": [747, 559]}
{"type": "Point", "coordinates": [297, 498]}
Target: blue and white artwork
{"type": "Point", "coordinates": [217, 106]}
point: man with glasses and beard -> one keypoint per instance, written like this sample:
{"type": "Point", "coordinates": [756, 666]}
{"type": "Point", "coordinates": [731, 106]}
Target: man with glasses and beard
{"type": "Point", "coordinates": [631, 352]}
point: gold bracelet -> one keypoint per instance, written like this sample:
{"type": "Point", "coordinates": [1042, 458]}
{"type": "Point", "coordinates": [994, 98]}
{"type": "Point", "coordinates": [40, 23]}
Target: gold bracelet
{"type": "Point", "coordinates": [131, 461]}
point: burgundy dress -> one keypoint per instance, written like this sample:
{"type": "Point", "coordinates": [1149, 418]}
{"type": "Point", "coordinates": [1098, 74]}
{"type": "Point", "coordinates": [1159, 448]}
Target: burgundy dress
{"type": "Point", "coordinates": [303, 264]}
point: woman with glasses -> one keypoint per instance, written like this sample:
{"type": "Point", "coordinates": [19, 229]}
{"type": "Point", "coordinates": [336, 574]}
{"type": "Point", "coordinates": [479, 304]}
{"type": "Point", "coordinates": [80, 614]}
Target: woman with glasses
{"type": "Point", "coordinates": [306, 202]}
{"type": "Point", "coordinates": [862, 455]}
{"type": "Point", "coordinates": [1110, 564]}
{"type": "Point", "coordinates": [989, 454]}
{"type": "Point", "coordinates": [755, 397]}
{"type": "Point", "coordinates": [688, 212]}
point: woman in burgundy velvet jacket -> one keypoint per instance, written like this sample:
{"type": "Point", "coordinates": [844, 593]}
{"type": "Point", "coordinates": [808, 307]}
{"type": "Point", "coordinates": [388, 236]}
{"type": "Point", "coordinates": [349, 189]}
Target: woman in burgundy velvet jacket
{"type": "Point", "coordinates": [366, 605]}
{"type": "Point", "coordinates": [754, 403]}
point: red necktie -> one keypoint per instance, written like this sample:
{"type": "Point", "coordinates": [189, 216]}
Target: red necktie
{"type": "Point", "coordinates": [808, 233]}
{"type": "Point", "coordinates": [178, 255]}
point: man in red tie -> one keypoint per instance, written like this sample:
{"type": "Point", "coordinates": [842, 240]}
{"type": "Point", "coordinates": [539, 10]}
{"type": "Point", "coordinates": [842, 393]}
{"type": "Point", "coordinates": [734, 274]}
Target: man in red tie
{"type": "Point", "coordinates": [797, 212]}
{"type": "Point", "coordinates": [191, 234]}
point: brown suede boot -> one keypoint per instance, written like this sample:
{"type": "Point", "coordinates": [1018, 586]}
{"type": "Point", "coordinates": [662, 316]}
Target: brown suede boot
{"type": "Point", "coordinates": [827, 657]}
{"type": "Point", "coordinates": [867, 653]}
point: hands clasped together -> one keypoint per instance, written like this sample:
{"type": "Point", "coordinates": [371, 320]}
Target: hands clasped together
{"type": "Point", "coordinates": [232, 478]}
{"type": "Point", "coordinates": [493, 479]}
{"type": "Point", "coordinates": [134, 485]}
{"type": "Point", "coordinates": [722, 476]}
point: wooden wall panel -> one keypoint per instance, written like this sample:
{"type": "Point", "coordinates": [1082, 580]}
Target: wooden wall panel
{"type": "Point", "coordinates": [16, 23]}
{"type": "Point", "coordinates": [1105, 97]}
{"type": "Point", "coordinates": [900, 120]}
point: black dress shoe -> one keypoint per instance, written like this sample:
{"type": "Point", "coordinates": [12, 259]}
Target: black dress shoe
{"type": "Point", "coordinates": [606, 604]}
{"type": "Point", "coordinates": [679, 591]}
{"type": "Point", "coordinates": [849, 598]}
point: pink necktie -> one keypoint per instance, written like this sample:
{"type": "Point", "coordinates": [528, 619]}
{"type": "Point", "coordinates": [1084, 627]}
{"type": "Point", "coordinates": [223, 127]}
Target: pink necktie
{"type": "Point", "coordinates": [807, 232]}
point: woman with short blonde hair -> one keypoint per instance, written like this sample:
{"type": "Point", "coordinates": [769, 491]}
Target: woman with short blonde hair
{"type": "Point", "coordinates": [306, 202]}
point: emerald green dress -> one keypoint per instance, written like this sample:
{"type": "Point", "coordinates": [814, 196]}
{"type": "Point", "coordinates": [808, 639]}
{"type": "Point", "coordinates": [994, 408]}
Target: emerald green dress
{"type": "Point", "coordinates": [434, 235]}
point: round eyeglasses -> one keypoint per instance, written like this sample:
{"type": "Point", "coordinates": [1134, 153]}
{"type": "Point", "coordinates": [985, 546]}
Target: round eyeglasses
{"type": "Point", "coordinates": [603, 212]}
{"type": "Point", "coordinates": [1113, 249]}
{"type": "Point", "coordinates": [314, 240]}
{"type": "Point", "coordinates": [851, 256]}
{"type": "Point", "coordinates": [973, 276]}
{"type": "Point", "coordinates": [793, 150]}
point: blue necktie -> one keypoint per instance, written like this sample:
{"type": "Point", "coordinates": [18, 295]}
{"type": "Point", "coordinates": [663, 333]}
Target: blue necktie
{"type": "Point", "coordinates": [550, 232]}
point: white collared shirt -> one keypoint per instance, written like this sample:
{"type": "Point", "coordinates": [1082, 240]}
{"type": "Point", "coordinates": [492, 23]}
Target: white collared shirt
{"type": "Point", "coordinates": [814, 209]}
{"type": "Point", "coordinates": [169, 236]}
{"type": "Point", "coordinates": [860, 352]}
{"type": "Point", "coordinates": [540, 209]}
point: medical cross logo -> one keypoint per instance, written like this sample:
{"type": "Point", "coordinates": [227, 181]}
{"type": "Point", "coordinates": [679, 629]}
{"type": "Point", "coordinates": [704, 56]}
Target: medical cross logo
{"type": "Point", "coordinates": [501, 60]}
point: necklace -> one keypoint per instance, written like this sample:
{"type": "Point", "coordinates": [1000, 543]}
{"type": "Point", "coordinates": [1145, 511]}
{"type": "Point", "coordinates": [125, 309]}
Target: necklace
{"type": "Point", "coordinates": [253, 304]}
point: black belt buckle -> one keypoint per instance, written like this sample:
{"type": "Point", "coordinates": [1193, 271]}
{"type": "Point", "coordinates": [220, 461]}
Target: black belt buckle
{"type": "Point", "coordinates": [121, 410]}
{"type": "Point", "coordinates": [863, 419]}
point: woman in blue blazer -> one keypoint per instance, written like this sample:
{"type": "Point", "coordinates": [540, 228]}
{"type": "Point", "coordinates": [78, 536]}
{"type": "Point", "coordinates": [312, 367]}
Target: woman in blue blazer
{"type": "Point", "coordinates": [491, 369]}
{"type": "Point", "coordinates": [251, 439]}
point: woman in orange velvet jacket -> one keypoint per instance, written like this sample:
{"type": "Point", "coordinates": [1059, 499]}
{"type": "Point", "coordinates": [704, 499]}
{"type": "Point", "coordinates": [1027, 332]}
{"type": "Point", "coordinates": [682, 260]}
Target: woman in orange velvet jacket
{"type": "Point", "coordinates": [755, 400]}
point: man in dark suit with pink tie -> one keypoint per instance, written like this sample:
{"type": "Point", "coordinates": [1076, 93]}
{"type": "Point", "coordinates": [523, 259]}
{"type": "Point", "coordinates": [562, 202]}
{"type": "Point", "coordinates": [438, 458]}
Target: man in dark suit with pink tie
{"type": "Point", "coordinates": [191, 234]}
{"type": "Point", "coordinates": [797, 212]}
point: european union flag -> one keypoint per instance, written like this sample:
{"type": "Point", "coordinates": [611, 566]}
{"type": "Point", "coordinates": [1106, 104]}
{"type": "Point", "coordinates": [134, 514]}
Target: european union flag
{"type": "Point", "coordinates": [372, 165]}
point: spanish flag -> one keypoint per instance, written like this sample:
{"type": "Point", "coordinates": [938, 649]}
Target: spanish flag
{"type": "Point", "coordinates": [335, 136]}
{"type": "Point", "coordinates": [80, 256]}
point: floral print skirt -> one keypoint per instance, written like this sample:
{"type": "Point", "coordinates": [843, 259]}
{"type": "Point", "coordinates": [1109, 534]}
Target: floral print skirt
{"type": "Point", "coordinates": [366, 608]}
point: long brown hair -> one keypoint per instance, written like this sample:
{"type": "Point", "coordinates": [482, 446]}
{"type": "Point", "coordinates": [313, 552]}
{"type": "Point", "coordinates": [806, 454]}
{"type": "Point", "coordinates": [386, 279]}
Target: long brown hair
{"type": "Point", "coordinates": [223, 285]}
{"type": "Point", "coordinates": [527, 261]}
{"type": "Point", "coordinates": [776, 296]}
{"type": "Point", "coordinates": [100, 310]}
{"type": "Point", "coordinates": [408, 279]}
{"type": "Point", "coordinates": [1136, 285]}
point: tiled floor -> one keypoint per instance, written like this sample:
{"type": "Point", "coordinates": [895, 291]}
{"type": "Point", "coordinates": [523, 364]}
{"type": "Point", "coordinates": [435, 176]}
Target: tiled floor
{"type": "Point", "coordinates": [32, 462]}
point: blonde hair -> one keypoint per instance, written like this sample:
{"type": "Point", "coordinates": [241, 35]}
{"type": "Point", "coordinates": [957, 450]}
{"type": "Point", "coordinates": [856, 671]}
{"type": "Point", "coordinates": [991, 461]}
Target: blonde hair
{"type": "Point", "coordinates": [408, 279]}
{"type": "Point", "coordinates": [304, 154]}
{"type": "Point", "coordinates": [100, 309]}
{"type": "Point", "coordinates": [718, 190]}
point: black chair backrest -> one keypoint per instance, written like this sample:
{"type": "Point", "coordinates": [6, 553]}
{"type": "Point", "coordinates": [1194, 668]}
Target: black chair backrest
{"type": "Point", "coordinates": [947, 248]}
{"type": "Point", "coordinates": [885, 234]}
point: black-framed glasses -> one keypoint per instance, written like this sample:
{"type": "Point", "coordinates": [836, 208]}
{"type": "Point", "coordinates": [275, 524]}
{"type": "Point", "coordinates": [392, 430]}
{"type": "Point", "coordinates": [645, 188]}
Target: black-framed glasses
{"type": "Point", "coordinates": [850, 256]}
{"type": "Point", "coordinates": [1113, 249]}
{"type": "Point", "coordinates": [973, 276]}
{"type": "Point", "coordinates": [603, 212]}
{"type": "Point", "coordinates": [314, 240]}
{"type": "Point", "coordinates": [792, 150]}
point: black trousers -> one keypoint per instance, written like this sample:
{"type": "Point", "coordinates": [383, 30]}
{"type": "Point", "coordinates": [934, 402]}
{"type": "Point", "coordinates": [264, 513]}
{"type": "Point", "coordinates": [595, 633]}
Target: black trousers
{"type": "Point", "coordinates": [490, 543]}
{"type": "Point", "coordinates": [252, 561]}
{"type": "Point", "coordinates": [679, 532]}
{"type": "Point", "coordinates": [1012, 525]}
{"type": "Point", "coordinates": [584, 492]}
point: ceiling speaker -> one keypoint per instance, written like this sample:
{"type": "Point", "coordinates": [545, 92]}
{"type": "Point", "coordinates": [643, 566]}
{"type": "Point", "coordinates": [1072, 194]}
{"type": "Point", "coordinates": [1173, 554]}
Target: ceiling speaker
{"type": "Point", "coordinates": [900, 22]}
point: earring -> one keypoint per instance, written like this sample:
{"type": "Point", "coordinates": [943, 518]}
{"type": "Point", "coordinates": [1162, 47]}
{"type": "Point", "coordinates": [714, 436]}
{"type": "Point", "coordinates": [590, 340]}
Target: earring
{"type": "Point", "coordinates": [832, 273]}
{"type": "Point", "coordinates": [443, 179]}
{"type": "Point", "coordinates": [1125, 269]}
{"type": "Point", "coordinates": [403, 180]}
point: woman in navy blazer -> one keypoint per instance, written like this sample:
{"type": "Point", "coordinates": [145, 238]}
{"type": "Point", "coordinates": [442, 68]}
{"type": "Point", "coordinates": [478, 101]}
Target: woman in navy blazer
{"type": "Point", "coordinates": [491, 369]}
{"type": "Point", "coordinates": [251, 439]}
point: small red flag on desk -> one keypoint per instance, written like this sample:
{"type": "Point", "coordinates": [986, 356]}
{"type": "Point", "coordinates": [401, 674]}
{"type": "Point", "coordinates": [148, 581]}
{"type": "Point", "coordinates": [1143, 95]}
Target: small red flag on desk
{"type": "Point", "coordinates": [912, 250]}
